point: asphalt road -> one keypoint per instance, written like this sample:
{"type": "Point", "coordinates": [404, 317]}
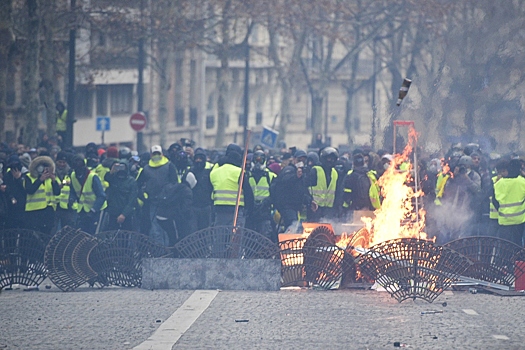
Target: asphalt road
{"type": "Point", "coordinates": [120, 318]}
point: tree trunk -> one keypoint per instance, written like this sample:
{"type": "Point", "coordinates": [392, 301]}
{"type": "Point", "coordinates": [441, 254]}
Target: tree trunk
{"type": "Point", "coordinates": [30, 94]}
{"type": "Point", "coordinates": [222, 77]}
{"type": "Point", "coordinates": [317, 114]}
{"type": "Point", "coordinates": [348, 115]}
{"type": "Point", "coordinates": [222, 106]}
{"type": "Point", "coordinates": [47, 67]}
{"type": "Point", "coordinates": [165, 61]}
{"type": "Point", "coordinates": [286, 91]}
{"type": "Point", "coordinates": [6, 39]}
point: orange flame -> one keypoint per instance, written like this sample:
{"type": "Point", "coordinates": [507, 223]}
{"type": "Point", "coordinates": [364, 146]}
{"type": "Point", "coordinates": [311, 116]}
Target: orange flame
{"type": "Point", "coordinates": [397, 217]}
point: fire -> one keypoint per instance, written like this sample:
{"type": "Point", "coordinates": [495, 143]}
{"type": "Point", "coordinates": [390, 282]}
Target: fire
{"type": "Point", "coordinates": [397, 217]}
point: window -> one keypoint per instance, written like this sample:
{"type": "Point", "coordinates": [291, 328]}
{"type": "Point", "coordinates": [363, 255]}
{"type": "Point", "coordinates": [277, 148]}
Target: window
{"type": "Point", "coordinates": [10, 96]}
{"type": "Point", "coordinates": [102, 100]}
{"type": "Point", "coordinates": [193, 116]}
{"type": "Point", "coordinates": [210, 122]}
{"type": "Point", "coordinates": [179, 116]}
{"type": "Point", "coordinates": [121, 98]}
{"type": "Point", "coordinates": [241, 119]}
{"type": "Point", "coordinates": [259, 107]}
{"type": "Point", "coordinates": [193, 95]}
{"type": "Point", "coordinates": [83, 101]}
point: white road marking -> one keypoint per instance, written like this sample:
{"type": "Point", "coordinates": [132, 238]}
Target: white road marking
{"type": "Point", "coordinates": [177, 324]}
{"type": "Point", "coordinates": [470, 312]}
{"type": "Point", "coordinates": [500, 337]}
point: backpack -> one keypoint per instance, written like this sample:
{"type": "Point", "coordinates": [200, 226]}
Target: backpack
{"type": "Point", "coordinates": [363, 188]}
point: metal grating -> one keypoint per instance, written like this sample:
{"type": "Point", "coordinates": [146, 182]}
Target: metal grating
{"type": "Point", "coordinates": [226, 242]}
{"type": "Point", "coordinates": [361, 238]}
{"type": "Point", "coordinates": [117, 259]}
{"type": "Point", "coordinates": [323, 233]}
{"type": "Point", "coordinates": [22, 257]}
{"type": "Point", "coordinates": [411, 268]}
{"type": "Point", "coordinates": [315, 262]}
{"type": "Point", "coordinates": [67, 258]}
{"type": "Point", "coordinates": [492, 258]}
{"type": "Point", "coordinates": [292, 263]}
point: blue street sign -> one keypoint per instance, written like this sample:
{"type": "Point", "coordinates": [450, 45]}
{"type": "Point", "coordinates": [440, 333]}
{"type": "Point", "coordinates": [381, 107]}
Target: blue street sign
{"type": "Point", "coordinates": [103, 123]}
{"type": "Point", "coordinates": [269, 137]}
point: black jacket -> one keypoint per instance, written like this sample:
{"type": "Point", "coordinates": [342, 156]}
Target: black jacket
{"type": "Point", "coordinates": [121, 194]}
{"type": "Point", "coordinates": [358, 186]}
{"type": "Point", "coordinates": [153, 178]}
{"type": "Point", "coordinates": [203, 189]}
{"type": "Point", "coordinates": [288, 191]}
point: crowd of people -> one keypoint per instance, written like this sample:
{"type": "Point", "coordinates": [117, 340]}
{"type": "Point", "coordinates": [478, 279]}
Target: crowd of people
{"type": "Point", "coordinates": [170, 193]}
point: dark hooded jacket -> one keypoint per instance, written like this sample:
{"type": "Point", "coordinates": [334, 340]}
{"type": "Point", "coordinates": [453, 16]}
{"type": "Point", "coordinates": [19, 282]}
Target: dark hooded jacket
{"type": "Point", "coordinates": [122, 192]}
{"type": "Point", "coordinates": [203, 188]}
{"type": "Point", "coordinates": [288, 191]}
{"type": "Point", "coordinates": [155, 176]}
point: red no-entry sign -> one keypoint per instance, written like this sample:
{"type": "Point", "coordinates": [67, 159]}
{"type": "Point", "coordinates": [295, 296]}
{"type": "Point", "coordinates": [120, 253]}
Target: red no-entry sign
{"type": "Point", "coordinates": [138, 121]}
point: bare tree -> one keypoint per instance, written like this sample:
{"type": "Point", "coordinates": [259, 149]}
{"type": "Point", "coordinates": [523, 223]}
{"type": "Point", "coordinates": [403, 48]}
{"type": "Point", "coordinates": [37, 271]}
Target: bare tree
{"type": "Point", "coordinates": [6, 40]}
{"type": "Point", "coordinates": [47, 64]}
{"type": "Point", "coordinates": [31, 73]}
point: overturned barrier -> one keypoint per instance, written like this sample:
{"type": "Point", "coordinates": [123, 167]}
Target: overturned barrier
{"type": "Point", "coordinates": [22, 257]}
{"type": "Point", "coordinates": [492, 258]}
{"type": "Point", "coordinates": [409, 268]}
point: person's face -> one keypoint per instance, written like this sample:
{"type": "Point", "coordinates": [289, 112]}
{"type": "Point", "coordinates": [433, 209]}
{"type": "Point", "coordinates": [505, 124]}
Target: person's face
{"type": "Point", "coordinates": [300, 159]}
{"type": "Point", "coordinates": [475, 161]}
{"type": "Point", "coordinates": [156, 156]}
{"type": "Point", "coordinates": [299, 172]}
{"type": "Point", "coordinates": [61, 164]}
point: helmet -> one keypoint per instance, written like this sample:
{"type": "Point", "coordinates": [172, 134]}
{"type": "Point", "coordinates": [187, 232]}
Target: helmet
{"type": "Point", "coordinates": [259, 157]}
{"type": "Point", "coordinates": [233, 148]}
{"type": "Point", "coordinates": [470, 148]}
{"type": "Point", "coordinates": [124, 153]}
{"type": "Point", "coordinates": [300, 153]}
{"type": "Point", "coordinates": [465, 161]}
{"type": "Point", "coordinates": [328, 156]}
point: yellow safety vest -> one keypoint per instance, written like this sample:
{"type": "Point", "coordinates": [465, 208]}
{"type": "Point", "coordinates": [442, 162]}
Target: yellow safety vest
{"type": "Point", "coordinates": [323, 194]}
{"type": "Point", "coordinates": [493, 214]}
{"type": "Point", "coordinates": [373, 191]}
{"type": "Point", "coordinates": [42, 198]}
{"type": "Point", "coordinates": [225, 182]}
{"type": "Point", "coordinates": [261, 190]}
{"type": "Point", "coordinates": [440, 187]}
{"type": "Point", "coordinates": [510, 194]}
{"type": "Point", "coordinates": [85, 194]}
{"type": "Point", "coordinates": [62, 121]}
{"type": "Point", "coordinates": [63, 198]}
{"type": "Point", "coordinates": [101, 171]}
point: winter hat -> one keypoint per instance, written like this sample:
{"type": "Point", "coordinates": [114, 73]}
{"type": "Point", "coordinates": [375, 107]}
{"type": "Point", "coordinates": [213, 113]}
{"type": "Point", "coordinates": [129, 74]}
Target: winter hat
{"type": "Point", "coordinates": [62, 156]}
{"type": "Point", "coordinates": [199, 153]}
{"type": "Point", "coordinates": [275, 168]}
{"type": "Point", "coordinates": [25, 159]}
{"type": "Point", "coordinates": [112, 152]}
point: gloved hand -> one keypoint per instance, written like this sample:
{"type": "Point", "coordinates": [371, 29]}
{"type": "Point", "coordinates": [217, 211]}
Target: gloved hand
{"type": "Point", "coordinates": [93, 214]}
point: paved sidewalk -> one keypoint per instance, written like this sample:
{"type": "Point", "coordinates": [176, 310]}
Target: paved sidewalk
{"type": "Point", "coordinates": [120, 318]}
